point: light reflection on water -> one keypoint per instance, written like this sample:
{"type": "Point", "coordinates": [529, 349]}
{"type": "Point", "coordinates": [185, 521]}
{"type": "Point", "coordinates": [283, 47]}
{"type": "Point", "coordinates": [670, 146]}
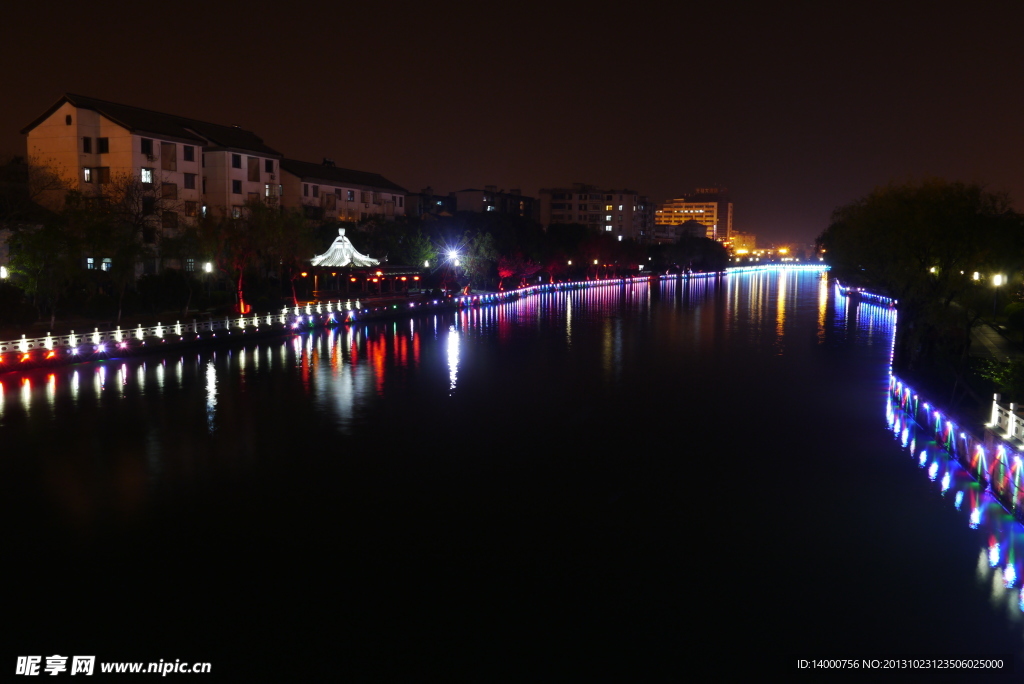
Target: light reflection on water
{"type": "Point", "coordinates": [347, 372]}
{"type": "Point", "coordinates": [1000, 552]}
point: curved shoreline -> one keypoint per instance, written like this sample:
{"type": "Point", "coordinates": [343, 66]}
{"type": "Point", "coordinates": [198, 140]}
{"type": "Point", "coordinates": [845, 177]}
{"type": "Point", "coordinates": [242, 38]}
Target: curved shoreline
{"type": "Point", "coordinates": [58, 350]}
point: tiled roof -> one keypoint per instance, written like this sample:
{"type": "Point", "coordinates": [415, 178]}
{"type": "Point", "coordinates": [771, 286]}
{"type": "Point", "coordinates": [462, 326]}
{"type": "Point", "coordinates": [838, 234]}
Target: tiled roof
{"type": "Point", "coordinates": [332, 175]}
{"type": "Point", "coordinates": [140, 120]}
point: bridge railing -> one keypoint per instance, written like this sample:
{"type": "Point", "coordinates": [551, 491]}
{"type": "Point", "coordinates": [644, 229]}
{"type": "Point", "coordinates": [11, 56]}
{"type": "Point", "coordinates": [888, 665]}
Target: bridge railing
{"type": "Point", "coordinates": [1007, 420]}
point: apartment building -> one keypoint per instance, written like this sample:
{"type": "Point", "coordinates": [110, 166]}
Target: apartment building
{"type": "Point", "coordinates": [326, 192]}
{"type": "Point", "coordinates": [491, 199]}
{"type": "Point", "coordinates": [194, 165]}
{"type": "Point", "coordinates": [624, 214]}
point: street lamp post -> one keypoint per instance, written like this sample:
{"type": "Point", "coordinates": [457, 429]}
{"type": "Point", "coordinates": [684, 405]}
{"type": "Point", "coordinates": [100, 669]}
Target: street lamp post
{"type": "Point", "coordinates": [997, 280]}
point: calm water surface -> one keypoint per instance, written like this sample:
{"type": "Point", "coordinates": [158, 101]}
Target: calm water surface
{"type": "Point", "coordinates": [609, 480]}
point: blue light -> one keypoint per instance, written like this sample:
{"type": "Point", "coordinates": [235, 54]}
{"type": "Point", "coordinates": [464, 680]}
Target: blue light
{"type": "Point", "coordinates": [959, 500]}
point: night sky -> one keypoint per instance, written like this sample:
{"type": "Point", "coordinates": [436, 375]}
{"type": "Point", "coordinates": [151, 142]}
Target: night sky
{"type": "Point", "coordinates": [796, 107]}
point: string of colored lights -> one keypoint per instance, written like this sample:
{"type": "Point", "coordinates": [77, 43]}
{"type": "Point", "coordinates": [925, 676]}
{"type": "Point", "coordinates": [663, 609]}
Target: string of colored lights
{"type": "Point", "coordinates": [981, 474]}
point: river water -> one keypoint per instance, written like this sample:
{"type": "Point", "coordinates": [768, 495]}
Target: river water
{"type": "Point", "coordinates": [621, 480]}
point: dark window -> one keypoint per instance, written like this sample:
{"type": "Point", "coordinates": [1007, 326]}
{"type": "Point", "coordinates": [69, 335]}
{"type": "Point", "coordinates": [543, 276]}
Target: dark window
{"type": "Point", "coordinates": [236, 161]}
{"type": "Point", "coordinates": [351, 195]}
{"type": "Point", "coordinates": [168, 156]}
{"type": "Point", "coordinates": [169, 191]}
{"type": "Point", "coordinates": [204, 185]}
{"type": "Point", "coordinates": [169, 220]}
{"type": "Point", "coordinates": [190, 208]}
{"type": "Point", "coordinates": [87, 145]}
{"type": "Point", "coordinates": [401, 201]}
{"type": "Point", "coordinates": [254, 169]}
{"type": "Point", "coordinates": [188, 153]}
{"type": "Point", "coordinates": [67, 119]}
{"type": "Point", "coordinates": [316, 191]}
{"type": "Point", "coordinates": [254, 197]}
{"type": "Point", "coordinates": [330, 201]}
{"type": "Point", "coordinates": [268, 166]}
{"type": "Point", "coordinates": [236, 187]}
{"type": "Point", "coordinates": [147, 147]}
{"type": "Point", "coordinates": [190, 181]}
{"type": "Point", "coordinates": [102, 174]}
{"type": "Point", "coordinates": [313, 213]}
{"type": "Point", "coordinates": [102, 145]}
{"type": "Point", "coordinates": [305, 189]}
{"type": "Point", "coordinates": [148, 206]}
{"type": "Point", "coordinates": [149, 232]}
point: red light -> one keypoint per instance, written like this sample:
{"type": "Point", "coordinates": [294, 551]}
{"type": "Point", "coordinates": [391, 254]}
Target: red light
{"type": "Point", "coordinates": [51, 354]}
{"type": "Point", "coordinates": [24, 358]}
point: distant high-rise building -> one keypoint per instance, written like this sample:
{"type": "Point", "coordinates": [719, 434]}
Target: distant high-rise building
{"type": "Point", "coordinates": [624, 214]}
{"type": "Point", "coordinates": [708, 206]}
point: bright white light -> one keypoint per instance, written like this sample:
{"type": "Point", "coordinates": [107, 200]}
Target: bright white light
{"type": "Point", "coordinates": [3, 271]}
{"type": "Point", "coordinates": [998, 279]}
{"type": "Point", "coordinates": [208, 267]}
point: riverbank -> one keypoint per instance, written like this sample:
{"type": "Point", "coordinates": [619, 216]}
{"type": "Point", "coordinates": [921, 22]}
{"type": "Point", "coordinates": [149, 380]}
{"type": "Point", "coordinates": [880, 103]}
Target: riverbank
{"type": "Point", "coordinates": [984, 440]}
{"type": "Point", "coordinates": [71, 345]}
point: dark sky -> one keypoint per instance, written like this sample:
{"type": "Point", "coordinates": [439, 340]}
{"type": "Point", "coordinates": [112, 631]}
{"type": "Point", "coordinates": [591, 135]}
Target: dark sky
{"type": "Point", "coordinates": [796, 107]}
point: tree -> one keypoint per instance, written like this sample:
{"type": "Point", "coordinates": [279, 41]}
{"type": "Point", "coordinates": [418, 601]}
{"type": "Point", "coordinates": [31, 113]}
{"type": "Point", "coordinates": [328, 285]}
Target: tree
{"type": "Point", "coordinates": [921, 243]}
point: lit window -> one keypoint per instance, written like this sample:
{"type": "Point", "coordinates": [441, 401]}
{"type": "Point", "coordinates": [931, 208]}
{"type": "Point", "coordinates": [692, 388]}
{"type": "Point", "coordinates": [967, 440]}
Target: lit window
{"type": "Point", "coordinates": [608, 228]}
{"type": "Point", "coordinates": [620, 207]}
{"type": "Point", "coordinates": [107, 263]}
{"type": "Point", "coordinates": [608, 217]}
{"type": "Point", "coordinates": [490, 208]}
{"type": "Point", "coordinates": [87, 175]}
{"type": "Point", "coordinates": [147, 175]}
{"type": "Point", "coordinates": [90, 263]}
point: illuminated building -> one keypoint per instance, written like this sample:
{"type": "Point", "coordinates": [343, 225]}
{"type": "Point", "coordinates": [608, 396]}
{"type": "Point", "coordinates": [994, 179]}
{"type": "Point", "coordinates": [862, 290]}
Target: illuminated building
{"type": "Point", "coordinates": [325, 191]}
{"type": "Point", "coordinates": [624, 214]}
{"type": "Point", "coordinates": [708, 206]}
{"type": "Point", "coordinates": [194, 164]}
